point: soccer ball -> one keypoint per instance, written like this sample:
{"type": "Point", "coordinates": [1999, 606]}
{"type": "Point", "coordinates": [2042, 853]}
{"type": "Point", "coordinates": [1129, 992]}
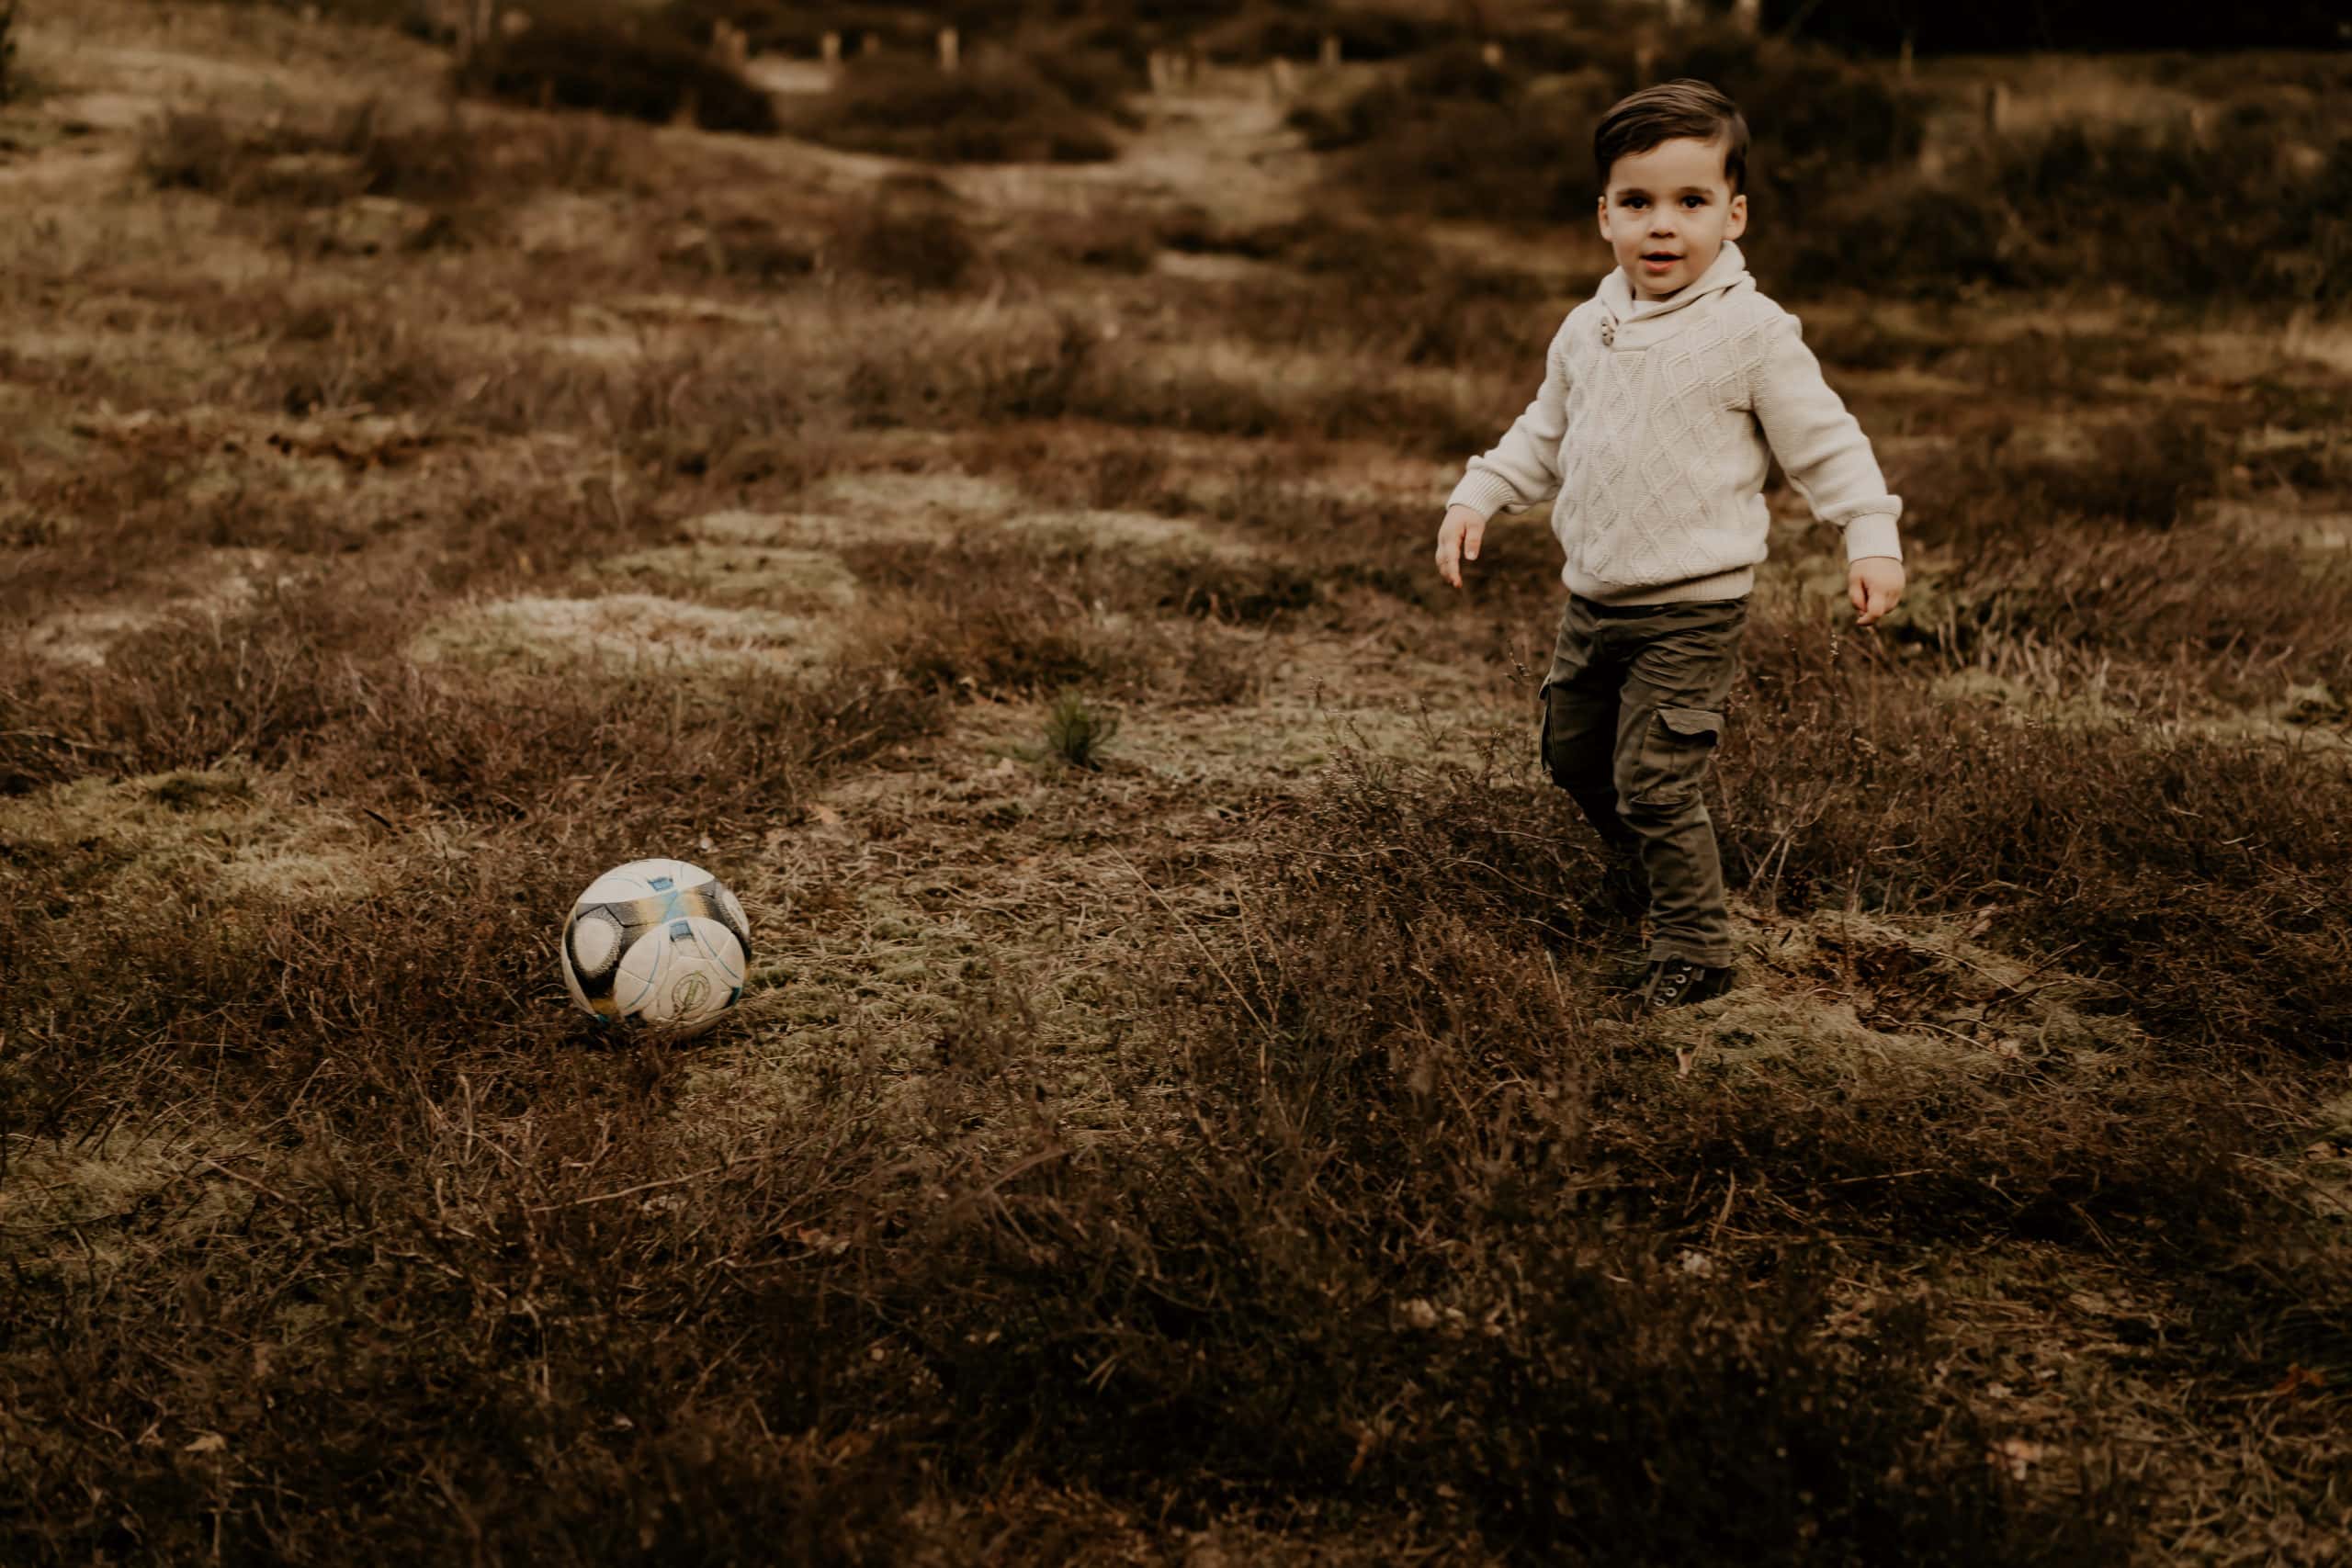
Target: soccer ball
{"type": "Point", "coordinates": [658, 943]}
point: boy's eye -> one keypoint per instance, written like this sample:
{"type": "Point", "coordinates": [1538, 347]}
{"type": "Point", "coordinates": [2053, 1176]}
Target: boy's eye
{"type": "Point", "coordinates": [1694, 201]}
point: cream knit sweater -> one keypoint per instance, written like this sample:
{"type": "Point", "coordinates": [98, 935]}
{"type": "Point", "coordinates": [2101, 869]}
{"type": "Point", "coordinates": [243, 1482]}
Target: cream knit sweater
{"type": "Point", "coordinates": [1652, 429]}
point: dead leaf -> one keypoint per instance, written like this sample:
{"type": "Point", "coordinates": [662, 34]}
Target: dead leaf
{"type": "Point", "coordinates": [206, 1443]}
{"type": "Point", "coordinates": [2298, 1378]}
{"type": "Point", "coordinates": [825, 815]}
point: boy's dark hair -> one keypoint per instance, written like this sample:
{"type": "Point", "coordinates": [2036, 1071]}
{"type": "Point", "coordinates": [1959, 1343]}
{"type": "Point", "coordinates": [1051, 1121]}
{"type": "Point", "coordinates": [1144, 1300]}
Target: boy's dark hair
{"type": "Point", "coordinates": [1684, 107]}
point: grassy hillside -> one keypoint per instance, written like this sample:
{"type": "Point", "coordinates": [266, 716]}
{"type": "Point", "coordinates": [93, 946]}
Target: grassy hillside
{"type": "Point", "coordinates": [1183, 1112]}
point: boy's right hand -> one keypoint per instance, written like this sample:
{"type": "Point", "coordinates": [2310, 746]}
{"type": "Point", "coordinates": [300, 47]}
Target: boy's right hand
{"type": "Point", "coordinates": [1457, 541]}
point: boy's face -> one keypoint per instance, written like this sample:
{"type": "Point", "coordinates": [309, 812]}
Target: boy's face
{"type": "Point", "coordinates": [1668, 211]}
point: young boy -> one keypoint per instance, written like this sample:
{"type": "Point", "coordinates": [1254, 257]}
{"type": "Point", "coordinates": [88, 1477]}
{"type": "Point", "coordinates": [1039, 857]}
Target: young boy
{"type": "Point", "coordinates": [1661, 395]}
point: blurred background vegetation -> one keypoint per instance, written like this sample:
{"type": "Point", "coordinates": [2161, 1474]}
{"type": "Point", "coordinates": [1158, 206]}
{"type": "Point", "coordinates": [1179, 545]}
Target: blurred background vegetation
{"type": "Point", "coordinates": [1894, 140]}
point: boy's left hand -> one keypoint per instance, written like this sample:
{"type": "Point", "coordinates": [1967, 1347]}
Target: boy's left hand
{"type": "Point", "coordinates": [1875, 585]}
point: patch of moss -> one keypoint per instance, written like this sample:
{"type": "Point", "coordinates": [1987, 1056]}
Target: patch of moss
{"type": "Point", "coordinates": [192, 836]}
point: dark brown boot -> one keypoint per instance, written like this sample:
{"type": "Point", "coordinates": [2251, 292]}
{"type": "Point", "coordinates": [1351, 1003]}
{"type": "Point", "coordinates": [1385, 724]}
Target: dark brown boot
{"type": "Point", "coordinates": [1678, 982]}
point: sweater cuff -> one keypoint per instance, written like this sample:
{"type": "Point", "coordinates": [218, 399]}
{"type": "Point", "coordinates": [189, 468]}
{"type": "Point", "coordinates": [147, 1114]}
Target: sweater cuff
{"type": "Point", "coordinates": [1873, 534]}
{"type": "Point", "coordinates": [1484, 493]}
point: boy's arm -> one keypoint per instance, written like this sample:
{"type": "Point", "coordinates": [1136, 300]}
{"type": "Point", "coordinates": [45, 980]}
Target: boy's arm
{"type": "Point", "coordinates": [1820, 446]}
{"type": "Point", "coordinates": [1522, 467]}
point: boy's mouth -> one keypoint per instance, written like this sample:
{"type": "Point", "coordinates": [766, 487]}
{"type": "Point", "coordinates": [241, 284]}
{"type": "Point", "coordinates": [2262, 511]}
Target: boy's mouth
{"type": "Point", "coordinates": [1658, 261]}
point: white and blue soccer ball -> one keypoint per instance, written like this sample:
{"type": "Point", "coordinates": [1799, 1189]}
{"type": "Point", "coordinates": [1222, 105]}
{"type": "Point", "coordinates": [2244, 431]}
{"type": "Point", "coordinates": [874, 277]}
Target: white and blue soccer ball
{"type": "Point", "coordinates": [657, 943]}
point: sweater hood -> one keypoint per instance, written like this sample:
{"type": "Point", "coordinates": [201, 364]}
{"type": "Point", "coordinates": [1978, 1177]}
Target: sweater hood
{"type": "Point", "coordinates": [1728, 270]}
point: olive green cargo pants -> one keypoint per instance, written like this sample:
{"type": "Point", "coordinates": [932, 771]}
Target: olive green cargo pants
{"type": "Point", "coordinates": [1633, 708]}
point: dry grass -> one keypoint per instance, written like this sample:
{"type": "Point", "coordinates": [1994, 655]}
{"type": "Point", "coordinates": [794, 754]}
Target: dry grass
{"type": "Point", "coordinates": [1224, 1148]}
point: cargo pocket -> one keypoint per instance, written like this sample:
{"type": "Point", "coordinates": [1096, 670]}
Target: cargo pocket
{"type": "Point", "coordinates": [1676, 748]}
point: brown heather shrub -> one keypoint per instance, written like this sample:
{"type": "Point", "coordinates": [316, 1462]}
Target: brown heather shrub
{"type": "Point", "coordinates": [2191, 873]}
{"type": "Point", "coordinates": [2038, 362]}
{"type": "Point", "coordinates": [1093, 80]}
{"type": "Point", "coordinates": [1421, 1241]}
{"type": "Point", "coordinates": [998, 109]}
{"type": "Point", "coordinates": [743, 248]}
{"type": "Point", "coordinates": [365, 360]}
{"type": "Point", "coordinates": [2191, 877]}
{"type": "Point", "coordinates": [635, 72]}
{"type": "Point", "coordinates": [2151, 469]}
{"type": "Point", "coordinates": [1325, 245]}
{"type": "Point", "coordinates": [737, 411]}
{"type": "Point", "coordinates": [1130, 391]}
{"type": "Point", "coordinates": [2207, 608]}
{"type": "Point", "coordinates": [918, 247]}
{"type": "Point", "coordinates": [198, 150]}
{"type": "Point", "coordinates": [412, 1315]}
{"type": "Point", "coordinates": [1419, 1246]}
{"type": "Point", "coordinates": [1115, 577]}
{"type": "Point", "coordinates": [1459, 70]}
{"type": "Point", "coordinates": [1818, 119]}
{"type": "Point", "coordinates": [2161, 213]}
{"type": "Point", "coordinates": [793, 27]}
{"type": "Point", "coordinates": [436, 162]}
{"type": "Point", "coordinates": [187, 150]}
{"type": "Point", "coordinates": [1350, 1281]}
{"type": "Point", "coordinates": [1595, 1400]}
{"type": "Point", "coordinates": [314, 680]}
{"type": "Point", "coordinates": [993, 622]}
{"type": "Point", "coordinates": [359, 150]}
{"type": "Point", "coordinates": [914, 384]}
{"type": "Point", "coordinates": [1262, 31]}
{"type": "Point", "coordinates": [411, 17]}
{"type": "Point", "coordinates": [2109, 553]}
{"type": "Point", "coordinates": [1835, 194]}
{"type": "Point", "coordinates": [136, 529]}
{"type": "Point", "coordinates": [1462, 157]}
{"type": "Point", "coordinates": [1451, 136]}
{"type": "Point", "coordinates": [2285, 78]}
{"type": "Point", "coordinates": [1488, 324]}
{"type": "Point", "coordinates": [1346, 542]}
{"type": "Point", "coordinates": [1411, 1246]}
{"type": "Point", "coordinates": [1360, 290]}
{"type": "Point", "coordinates": [1078, 374]}
{"type": "Point", "coordinates": [1117, 243]}
{"type": "Point", "coordinates": [132, 517]}
{"type": "Point", "coordinates": [1125, 472]}
{"type": "Point", "coordinates": [384, 1254]}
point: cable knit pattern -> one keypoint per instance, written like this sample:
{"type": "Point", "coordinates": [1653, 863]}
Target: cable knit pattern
{"type": "Point", "coordinates": [1652, 435]}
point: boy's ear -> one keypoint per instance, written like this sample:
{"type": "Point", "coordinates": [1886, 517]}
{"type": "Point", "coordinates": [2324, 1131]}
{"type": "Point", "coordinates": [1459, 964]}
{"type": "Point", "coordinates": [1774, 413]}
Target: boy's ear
{"type": "Point", "coordinates": [1602, 212]}
{"type": "Point", "coordinates": [1735, 224]}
